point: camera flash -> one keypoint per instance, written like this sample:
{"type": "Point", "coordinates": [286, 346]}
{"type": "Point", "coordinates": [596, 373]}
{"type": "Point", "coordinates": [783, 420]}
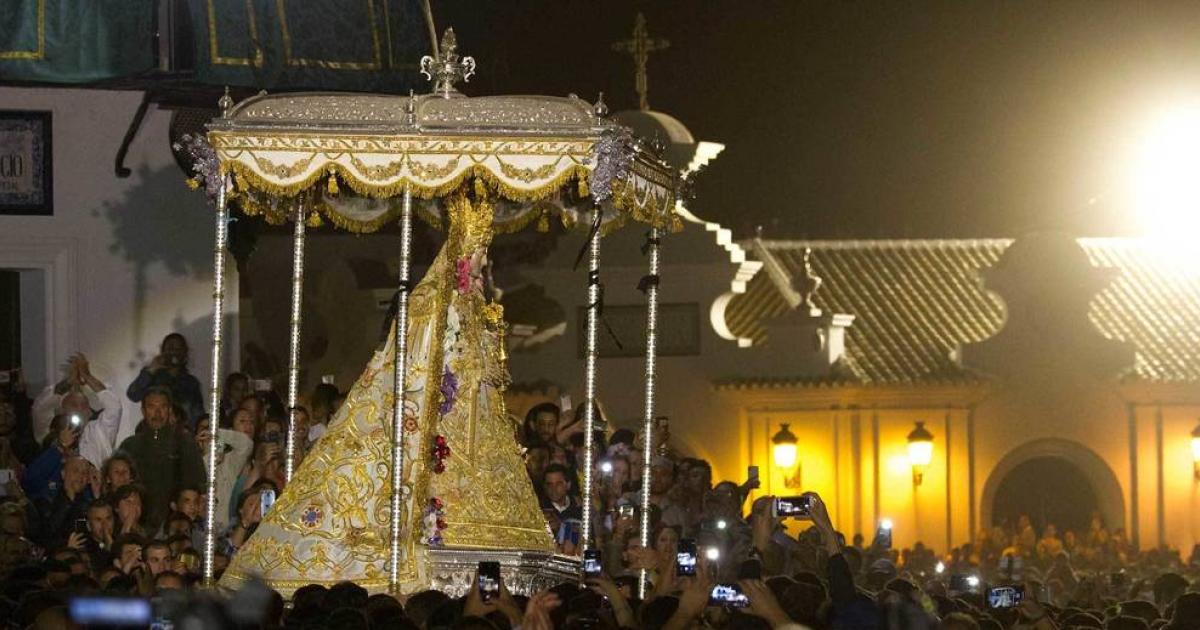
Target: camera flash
{"type": "Point", "coordinates": [940, 568]}
{"type": "Point", "coordinates": [973, 580]}
{"type": "Point", "coordinates": [712, 553]}
{"type": "Point", "coordinates": [885, 523]}
{"type": "Point", "coordinates": [721, 524]}
{"type": "Point", "coordinates": [606, 467]}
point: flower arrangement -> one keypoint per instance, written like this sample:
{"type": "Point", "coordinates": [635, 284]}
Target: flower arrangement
{"type": "Point", "coordinates": [433, 523]}
{"type": "Point", "coordinates": [440, 452]}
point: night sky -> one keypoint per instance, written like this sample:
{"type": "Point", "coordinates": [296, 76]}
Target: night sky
{"type": "Point", "coordinates": [867, 120]}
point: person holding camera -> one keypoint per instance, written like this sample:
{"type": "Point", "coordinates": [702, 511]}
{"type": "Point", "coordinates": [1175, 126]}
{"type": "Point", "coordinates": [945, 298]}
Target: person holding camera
{"type": "Point", "coordinates": [73, 397]}
{"type": "Point", "coordinates": [169, 370]}
{"type": "Point", "coordinates": [69, 505]}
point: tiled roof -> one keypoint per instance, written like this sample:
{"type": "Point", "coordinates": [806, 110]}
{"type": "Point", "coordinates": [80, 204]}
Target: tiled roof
{"type": "Point", "coordinates": [917, 302]}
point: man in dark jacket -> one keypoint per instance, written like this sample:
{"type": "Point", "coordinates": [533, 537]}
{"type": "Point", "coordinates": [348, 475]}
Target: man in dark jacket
{"type": "Point", "coordinates": [166, 456]}
{"type": "Point", "coordinates": [60, 513]}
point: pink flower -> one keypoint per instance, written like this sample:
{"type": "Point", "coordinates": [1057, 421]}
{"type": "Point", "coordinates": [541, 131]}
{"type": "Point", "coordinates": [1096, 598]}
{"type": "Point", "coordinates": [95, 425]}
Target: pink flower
{"type": "Point", "coordinates": [462, 273]}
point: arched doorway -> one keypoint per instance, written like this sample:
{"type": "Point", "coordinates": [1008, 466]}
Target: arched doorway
{"type": "Point", "coordinates": [1047, 490]}
{"type": "Point", "coordinates": [1053, 479]}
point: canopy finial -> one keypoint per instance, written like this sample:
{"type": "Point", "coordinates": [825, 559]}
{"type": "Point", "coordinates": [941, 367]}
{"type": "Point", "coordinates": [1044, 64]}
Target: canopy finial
{"type": "Point", "coordinates": [225, 103]}
{"type": "Point", "coordinates": [447, 69]}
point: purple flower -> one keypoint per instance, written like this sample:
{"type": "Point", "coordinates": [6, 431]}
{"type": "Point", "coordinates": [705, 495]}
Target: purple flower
{"type": "Point", "coordinates": [449, 390]}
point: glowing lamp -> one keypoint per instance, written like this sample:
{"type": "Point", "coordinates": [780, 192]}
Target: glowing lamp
{"type": "Point", "coordinates": [920, 451]}
{"type": "Point", "coordinates": [784, 447]}
{"type": "Point", "coordinates": [1196, 452]}
{"type": "Point", "coordinates": [784, 452]}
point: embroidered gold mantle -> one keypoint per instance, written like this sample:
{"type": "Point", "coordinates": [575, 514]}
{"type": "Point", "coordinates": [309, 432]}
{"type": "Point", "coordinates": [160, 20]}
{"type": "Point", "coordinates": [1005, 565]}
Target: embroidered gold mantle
{"type": "Point", "coordinates": [331, 523]}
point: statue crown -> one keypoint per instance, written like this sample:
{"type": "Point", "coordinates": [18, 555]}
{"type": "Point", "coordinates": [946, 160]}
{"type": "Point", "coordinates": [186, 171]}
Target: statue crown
{"type": "Point", "coordinates": [470, 223]}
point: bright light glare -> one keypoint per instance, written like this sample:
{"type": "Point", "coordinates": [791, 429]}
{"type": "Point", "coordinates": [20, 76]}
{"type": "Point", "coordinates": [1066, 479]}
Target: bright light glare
{"type": "Point", "coordinates": [940, 568]}
{"type": "Point", "coordinates": [721, 524]}
{"type": "Point", "coordinates": [973, 581]}
{"type": "Point", "coordinates": [606, 467]}
{"type": "Point", "coordinates": [885, 523]}
{"type": "Point", "coordinates": [1166, 176]}
{"type": "Point", "coordinates": [785, 455]}
{"type": "Point", "coordinates": [712, 553]}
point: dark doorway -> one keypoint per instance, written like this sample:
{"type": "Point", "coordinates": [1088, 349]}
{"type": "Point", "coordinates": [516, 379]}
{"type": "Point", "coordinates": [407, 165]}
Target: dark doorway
{"type": "Point", "coordinates": [10, 319]}
{"type": "Point", "coordinates": [1048, 490]}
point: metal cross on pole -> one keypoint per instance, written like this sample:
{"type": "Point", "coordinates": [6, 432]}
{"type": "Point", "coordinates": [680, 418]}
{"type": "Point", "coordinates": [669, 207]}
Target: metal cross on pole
{"type": "Point", "coordinates": [640, 47]}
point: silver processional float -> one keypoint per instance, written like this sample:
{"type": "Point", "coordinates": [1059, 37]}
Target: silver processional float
{"type": "Point", "coordinates": [370, 504]}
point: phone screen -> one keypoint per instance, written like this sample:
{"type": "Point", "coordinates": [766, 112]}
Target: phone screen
{"type": "Point", "coordinates": [81, 526]}
{"type": "Point", "coordinates": [685, 557]}
{"type": "Point", "coordinates": [883, 535]}
{"type": "Point", "coordinates": [569, 531]}
{"type": "Point", "coordinates": [793, 507]}
{"type": "Point", "coordinates": [110, 611]}
{"type": "Point", "coordinates": [1005, 596]}
{"type": "Point", "coordinates": [591, 563]}
{"type": "Point", "coordinates": [730, 595]}
{"type": "Point", "coordinates": [752, 472]}
{"type": "Point", "coordinates": [961, 583]}
{"type": "Point", "coordinates": [489, 580]}
{"type": "Point", "coordinates": [267, 499]}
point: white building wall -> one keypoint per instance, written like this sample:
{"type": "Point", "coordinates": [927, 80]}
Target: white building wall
{"type": "Point", "coordinates": [127, 260]}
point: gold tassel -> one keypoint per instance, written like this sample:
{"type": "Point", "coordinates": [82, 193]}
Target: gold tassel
{"type": "Point", "coordinates": [314, 220]}
{"type": "Point", "coordinates": [543, 224]}
{"type": "Point", "coordinates": [193, 183]}
{"type": "Point", "coordinates": [332, 183]}
{"type": "Point", "coordinates": [584, 190]}
{"type": "Point", "coordinates": [480, 188]}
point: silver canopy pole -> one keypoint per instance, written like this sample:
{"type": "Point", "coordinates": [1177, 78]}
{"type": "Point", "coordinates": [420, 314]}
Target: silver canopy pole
{"type": "Point", "coordinates": [294, 353]}
{"type": "Point", "coordinates": [589, 410]}
{"type": "Point", "coordinates": [400, 384]}
{"type": "Point", "coordinates": [651, 287]}
{"type": "Point", "coordinates": [210, 507]}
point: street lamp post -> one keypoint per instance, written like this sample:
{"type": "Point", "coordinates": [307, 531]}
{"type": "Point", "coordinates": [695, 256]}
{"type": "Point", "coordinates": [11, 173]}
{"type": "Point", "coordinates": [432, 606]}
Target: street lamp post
{"type": "Point", "coordinates": [783, 451]}
{"type": "Point", "coordinates": [920, 452]}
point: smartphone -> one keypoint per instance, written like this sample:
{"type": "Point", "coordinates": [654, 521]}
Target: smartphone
{"type": "Point", "coordinates": [625, 510]}
{"type": "Point", "coordinates": [752, 472]}
{"type": "Point", "coordinates": [110, 611]}
{"type": "Point", "coordinates": [1118, 579]}
{"type": "Point", "coordinates": [685, 557]}
{"type": "Point", "coordinates": [81, 526]}
{"type": "Point", "coordinates": [564, 403]}
{"type": "Point", "coordinates": [591, 563]}
{"type": "Point", "coordinates": [5, 475]}
{"type": "Point", "coordinates": [273, 437]}
{"type": "Point", "coordinates": [963, 583]}
{"type": "Point", "coordinates": [883, 535]}
{"type": "Point", "coordinates": [76, 420]}
{"type": "Point", "coordinates": [262, 384]}
{"type": "Point", "coordinates": [569, 530]}
{"type": "Point", "coordinates": [489, 580]}
{"type": "Point", "coordinates": [266, 499]}
{"type": "Point", "coordinates": [327, 379]}
{"type": "Point", "coordinates": [1005, 596]}
{"type": "Point", "coordinates": [728, 595]}
{"type": "Point", "coordinates": [792, 507]}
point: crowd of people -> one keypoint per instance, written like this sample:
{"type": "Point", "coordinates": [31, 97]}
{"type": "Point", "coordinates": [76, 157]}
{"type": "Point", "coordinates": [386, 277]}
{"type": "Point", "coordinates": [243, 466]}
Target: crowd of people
{"type": "Point", "coordinates": [82, 515]}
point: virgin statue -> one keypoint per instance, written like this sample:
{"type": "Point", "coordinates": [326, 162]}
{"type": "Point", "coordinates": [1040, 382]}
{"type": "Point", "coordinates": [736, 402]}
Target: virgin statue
{"type": "Point", "coordinates": [465, 485]}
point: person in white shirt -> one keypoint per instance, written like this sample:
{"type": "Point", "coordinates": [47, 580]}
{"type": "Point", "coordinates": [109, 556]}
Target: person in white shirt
{"type": "Point", "coordinates": [234, 448]}
{"type": "Point", "coordinates": [73, 397]}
